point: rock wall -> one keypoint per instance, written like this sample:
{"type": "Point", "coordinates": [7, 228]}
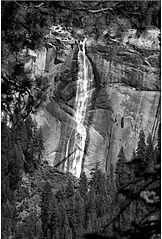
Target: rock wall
{"type": "Point", "coordinates": [125, 99]}
{"type": "Point", "coordinates": [127, 113]}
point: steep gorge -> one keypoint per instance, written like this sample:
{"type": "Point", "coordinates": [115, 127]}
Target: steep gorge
{"type": "Point", "coordinates": [102, 93]}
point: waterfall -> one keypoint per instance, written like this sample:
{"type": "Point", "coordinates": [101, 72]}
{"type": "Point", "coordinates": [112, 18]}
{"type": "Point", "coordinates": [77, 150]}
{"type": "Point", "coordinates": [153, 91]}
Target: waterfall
{"type": "Point", "coordinates": [83, 95]}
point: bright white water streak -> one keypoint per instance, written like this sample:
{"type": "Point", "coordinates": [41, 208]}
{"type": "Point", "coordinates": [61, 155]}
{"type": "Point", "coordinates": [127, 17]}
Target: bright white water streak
{"type": "Point", "coordinates": [83, 94]}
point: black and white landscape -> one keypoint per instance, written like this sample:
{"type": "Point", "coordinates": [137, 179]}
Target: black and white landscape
{"type": "Point", "coordinates": [80, 119]}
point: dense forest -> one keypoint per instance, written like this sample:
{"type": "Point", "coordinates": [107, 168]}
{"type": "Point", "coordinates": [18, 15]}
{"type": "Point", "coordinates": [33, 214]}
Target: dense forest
{"type": "Point", "coordinates": [124, 202]}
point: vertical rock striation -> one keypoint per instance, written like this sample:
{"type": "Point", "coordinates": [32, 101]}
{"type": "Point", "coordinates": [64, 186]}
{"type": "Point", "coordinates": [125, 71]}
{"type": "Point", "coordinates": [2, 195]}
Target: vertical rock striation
{"type": "Point", "coordinates": [103, 94]}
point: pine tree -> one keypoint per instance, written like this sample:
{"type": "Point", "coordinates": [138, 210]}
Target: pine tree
{"type": "Point", "coordinates": [55, 221]}
{"type": "Point", "coordinates": [70, 209]}
{"type": "Point", "coordinates": [96, 181]}
{"type": "Point", "coordinates": [101, 194]}
{"type": "Point", "coordinates": [7, 194]}
{"type": "Point", "coordinates": [120, 169]}
{"type": "Point", "coordinates": [28, 144]}
{"type": "Point", "coordinates": [69, 191]}
{"type": "Point", "coordinates": [123, 178]}
{"type": "Point", "coordinates": [15, 159]}
{"type": "Point", "coordinates": [79, 215]}
{"type": "Point", "coordinates": [65, 231]}
{"type": "Point", "coordinates": [60, 195]}
{"type": "Point", "coordinates": [103, 198]}
{"type": "Point", "coordinates": [5, 145]}
{"type": "Point", "coordinates": [46, 209]}
{"type": "Point", "coordinates": [83, 185]}
{"type": "Point", "coordinates": [159, 145]}
{"type": "Point", "coordinates": [111, 201]}
{"type": "Point", "coordinates": [91, 215]}
{"type": "Point", "coordinates": [159, 138]}
{"type": "Point", "coordinates": [111, 186]}
{"type": "Point", "coordinates": [149, 157]}
{"type": "Point", "coordinates": [141, 147]}
{"type": "Point", "coordinates": [139, 163]}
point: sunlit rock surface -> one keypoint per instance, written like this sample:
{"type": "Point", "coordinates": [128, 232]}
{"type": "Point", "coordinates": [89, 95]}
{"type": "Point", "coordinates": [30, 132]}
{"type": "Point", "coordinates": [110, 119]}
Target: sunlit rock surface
{"type": "Point", "coordinates": [36, 61]}
{"type": "Point", "coordinates": [134, 67]}
{"type": "Point", "coordinates": [124, 99]}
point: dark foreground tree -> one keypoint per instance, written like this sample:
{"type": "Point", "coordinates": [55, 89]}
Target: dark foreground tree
{"type": "Point", "coordinates": [22, 146]}
{"type": "Point", "coordinates": [83, 185]}
{"type": "Point", "coordinates": [47, 210]}
{"type": "Point", "coordinates": [66, 232]}
{"type": "Point", "coordinates": [141, 147]}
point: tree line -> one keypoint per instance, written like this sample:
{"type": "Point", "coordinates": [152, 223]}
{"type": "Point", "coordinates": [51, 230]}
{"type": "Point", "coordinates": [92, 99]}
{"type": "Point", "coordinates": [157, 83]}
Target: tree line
{"type": "Point", "coordinates": [123, 203]}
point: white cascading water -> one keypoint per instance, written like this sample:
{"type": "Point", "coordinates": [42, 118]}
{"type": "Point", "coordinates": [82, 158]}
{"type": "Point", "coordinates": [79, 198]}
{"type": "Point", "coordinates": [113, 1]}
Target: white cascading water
{"type": "Point", "coordinates": [83, 95]}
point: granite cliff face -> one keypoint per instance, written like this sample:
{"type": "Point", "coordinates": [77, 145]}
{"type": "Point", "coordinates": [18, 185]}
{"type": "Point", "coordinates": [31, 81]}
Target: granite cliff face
{"type": "Point", "coordinates": [101, 95]}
